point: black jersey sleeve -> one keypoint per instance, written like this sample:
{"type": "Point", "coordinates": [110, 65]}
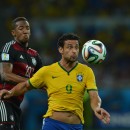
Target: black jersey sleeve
{"type": "Point", "coordinates": [39, 63]}
{"type": "Point", "coordinates": [7, 53]}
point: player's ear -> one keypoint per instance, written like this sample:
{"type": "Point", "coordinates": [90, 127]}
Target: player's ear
{"type": "Point", "coordinates": [13, 33]}
{"type": "Point", "coordinates": [60, 50]}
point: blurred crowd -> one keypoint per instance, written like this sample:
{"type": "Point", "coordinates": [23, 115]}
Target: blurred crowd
{"type": "Point", "coordinates": [104, 20]}
{"type": "Point", "coordinates": [65, 8]}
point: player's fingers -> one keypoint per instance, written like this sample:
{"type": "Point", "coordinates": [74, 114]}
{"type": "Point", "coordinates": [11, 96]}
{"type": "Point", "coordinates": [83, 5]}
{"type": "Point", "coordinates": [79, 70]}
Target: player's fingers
{"type": "Point", "coordinates": [7, 95]}
{"type": "Point", "coordinates": [98, 115]}
{"type": "Point", "coordinates": [105, 113]}
{"type": "Point", "coordinates": [106, 120]}
{"type": "Point", "coordinates": [105, 117]}
{"type": "Point", "coordinates": [2, 93]}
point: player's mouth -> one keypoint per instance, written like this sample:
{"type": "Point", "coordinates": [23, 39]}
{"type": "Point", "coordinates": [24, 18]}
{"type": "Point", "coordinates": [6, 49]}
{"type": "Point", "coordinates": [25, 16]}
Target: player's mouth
{"type": "Point", "coordinates": [26, 36]}
{"type": "Point", "coordinates": [74, 57]}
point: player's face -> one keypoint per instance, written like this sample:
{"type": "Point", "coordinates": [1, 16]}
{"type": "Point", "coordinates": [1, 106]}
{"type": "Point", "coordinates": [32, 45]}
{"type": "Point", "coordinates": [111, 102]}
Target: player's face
{"type": "Point", "coordinates": [70, 50]}
{"type": "Point", "coordinates": [21, 32]}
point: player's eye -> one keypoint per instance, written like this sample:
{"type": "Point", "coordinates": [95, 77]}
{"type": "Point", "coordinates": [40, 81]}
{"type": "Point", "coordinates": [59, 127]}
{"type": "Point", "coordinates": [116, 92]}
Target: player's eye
{"type": "Point", "coordinates": [28, 28]}
{"type": "Point", "coordinates": [20, 28]}
{"type": "Point", "coordinates": [77, 47]}
{"type": "Point", "coordinates": [69, 47]}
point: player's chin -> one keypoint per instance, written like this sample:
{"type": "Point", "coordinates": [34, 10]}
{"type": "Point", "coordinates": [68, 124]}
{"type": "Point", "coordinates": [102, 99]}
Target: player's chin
{"type": "Point", "coordinates": [26, 37]}
{"type": "Point", "coordinates": [25, 40]}
{"type": "Point", "coordinates": [73, 59]}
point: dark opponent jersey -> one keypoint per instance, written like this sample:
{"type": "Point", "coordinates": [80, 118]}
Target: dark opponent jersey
{"type": "Point", "coordinates": [26, 62]}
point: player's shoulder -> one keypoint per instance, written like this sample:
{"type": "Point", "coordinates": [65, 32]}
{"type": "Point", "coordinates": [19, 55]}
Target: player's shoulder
{"type": "Point", "coordinates": [11, 42]}
{"type": "Point", "coordinates": [47, 68]}
{"type": "Point", "coordinates": [6, 47]}
{"type": "Point", "coordinates": [51, 66]}
{"type": "Point", "coordinates": [85, 68]}
{"type": "Point", "coordinates": [32, 52]}
{"type": "Point", "coordinates": [83, 65]}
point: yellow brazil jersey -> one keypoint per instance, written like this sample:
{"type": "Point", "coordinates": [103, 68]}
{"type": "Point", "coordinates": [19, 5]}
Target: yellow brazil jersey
{"type": "Point", "coordinates": [65, 89]}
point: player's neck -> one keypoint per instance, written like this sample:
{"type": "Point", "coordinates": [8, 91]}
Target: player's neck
{"type": "Point", "coordinates": [67, 65]}
{"type": "Point", "coordinates": [23, 44]}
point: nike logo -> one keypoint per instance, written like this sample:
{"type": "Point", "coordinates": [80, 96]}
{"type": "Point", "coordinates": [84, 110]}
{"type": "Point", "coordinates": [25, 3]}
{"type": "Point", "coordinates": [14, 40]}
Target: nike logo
{"type": "Point", "coordinates": [53, 77]}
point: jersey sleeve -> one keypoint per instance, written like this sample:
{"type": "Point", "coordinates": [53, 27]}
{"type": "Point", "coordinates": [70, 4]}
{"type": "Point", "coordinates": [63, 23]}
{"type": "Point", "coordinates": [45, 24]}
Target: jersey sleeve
{"type": "Point", "coordinates": [91, 82]}
{"type": "Point", "coordinates": [7, 53]}
{"type": "Point", "coordinates": [38, 79]}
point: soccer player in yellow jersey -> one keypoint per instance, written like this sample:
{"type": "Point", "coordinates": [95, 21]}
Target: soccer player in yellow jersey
{"type": "Point", "coordinates": [65, 82]}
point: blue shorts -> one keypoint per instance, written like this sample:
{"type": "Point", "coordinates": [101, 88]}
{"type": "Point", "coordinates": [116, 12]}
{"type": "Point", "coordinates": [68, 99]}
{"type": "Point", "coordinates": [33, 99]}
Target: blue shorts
{"type": "Point", "coordinates": [51, 124]}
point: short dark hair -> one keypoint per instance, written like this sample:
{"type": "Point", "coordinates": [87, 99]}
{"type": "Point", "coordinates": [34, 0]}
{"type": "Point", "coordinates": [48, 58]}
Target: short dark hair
{"type": "Point", "coordinates": [67, 36]}
{"type": "Point", "coordinates": [16, 20]}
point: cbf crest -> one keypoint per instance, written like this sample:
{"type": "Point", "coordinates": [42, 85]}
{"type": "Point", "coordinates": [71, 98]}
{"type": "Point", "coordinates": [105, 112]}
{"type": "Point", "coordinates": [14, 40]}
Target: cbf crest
{"type": "Point", "coordinates": [34, 61]}
{"type": "Point", "coordinates": [79, 77]}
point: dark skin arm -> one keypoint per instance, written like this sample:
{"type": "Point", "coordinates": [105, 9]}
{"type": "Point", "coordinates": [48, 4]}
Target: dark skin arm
{"type": "Point", "coordinates": [17, 90]}
{"type": "Point", "coordinates": [7, 75]}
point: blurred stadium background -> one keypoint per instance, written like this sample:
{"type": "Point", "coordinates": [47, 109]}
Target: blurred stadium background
{"type": "Point", "coordinates": [104, 20]}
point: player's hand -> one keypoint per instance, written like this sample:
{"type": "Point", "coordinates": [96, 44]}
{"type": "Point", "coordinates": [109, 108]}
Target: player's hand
{"type": "Point", "coordinates": [103, 115]}
{"type": "Point", "coordinates": [4, 94]}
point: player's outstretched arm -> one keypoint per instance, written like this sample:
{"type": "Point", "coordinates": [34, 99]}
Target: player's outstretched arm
{"type": "Point", "coordinates": [100, 113]}
{"type": "Point", "coordinates": [17, 90]}
{"type": "Point", "coordinates": [6, 74]}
